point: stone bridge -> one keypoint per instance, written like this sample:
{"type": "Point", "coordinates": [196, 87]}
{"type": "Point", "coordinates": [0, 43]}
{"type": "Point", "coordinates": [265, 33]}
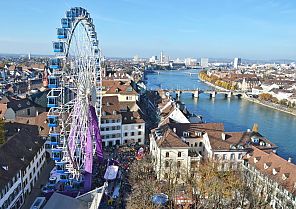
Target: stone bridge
{"type": "Point", "coordinates": [211, 92]}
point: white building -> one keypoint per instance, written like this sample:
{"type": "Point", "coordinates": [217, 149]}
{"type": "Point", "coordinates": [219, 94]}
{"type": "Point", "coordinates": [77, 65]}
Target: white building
{"type": "Point", "coordinates": [204, 62]}
{"type": "Point", "coordinates": [273, 177]}
{"type": "Point", "coordinates": [133, 128]}
{"type": "Point", "coordinates": [173, 158]}
{"type": "Point", "coordinates": [21, 160]}
{"type": "Point", "coordinates": [190, 62]}
{"type": "Point", "coordinates": [119, 124]}
{"type": "Point", "coordinates": [183, 144]}
{"type": "Point", "coordinates": [237, 62]}
{"type": "Point", "coordinates": [111, 121]}
{"type": "Point", "coordinates": [153, 59]}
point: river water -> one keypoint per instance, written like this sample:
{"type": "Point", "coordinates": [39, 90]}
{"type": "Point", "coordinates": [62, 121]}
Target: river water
{"type": "Point", "coordinates": [236, 114]}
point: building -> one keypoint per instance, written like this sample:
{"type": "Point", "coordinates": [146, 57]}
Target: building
{"type": "Point", "coordinates": [22, 158]}
{"type": "Point", "coordinates": [133, 128]}
{"type": "Point", "coordinates": [161, 57]}
{"type": "Point", "coordinates": [204, 62]}
{"type": "Point", "coordinates": [190, 62]}
{"type": "Point", "coordinates": [173, 157]}
{"type": "Point", "coordinates": [237, 62]}
{"type": "Point", "coordinates": [111, 121]}
{"type": "Point", "coordinates": [10, 108]}
{"type": "Point", "coordinates": [272, 176]}
{"type": "Point", "coordinates": [202, 140]}
{"type": "Point", "coordinates": [153, 59]}
{"type": "Point", "coordinates": [120, 125]}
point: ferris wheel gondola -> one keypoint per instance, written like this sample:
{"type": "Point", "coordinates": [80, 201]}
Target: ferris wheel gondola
{"type": "Point", "coordinates": [74, 100]}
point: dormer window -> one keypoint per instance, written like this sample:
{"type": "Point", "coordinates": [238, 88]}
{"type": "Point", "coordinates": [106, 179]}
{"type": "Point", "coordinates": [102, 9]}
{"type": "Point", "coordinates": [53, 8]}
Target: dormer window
{"type": "Point", "coordinates": [275, 171]}
{"type": "Point", "coordinates": [108, 104]}
{"type": "Point", "coordinates": [256, 159]}
{"type": "Point", "coordinates": [185, 134]}
{"type": "Point", "coordinates": [104, 113]}
{"type": "Point", "coordinates": [267, 165]}
{"type": "Point", "coordinates": [285, 176]}
{"type": "Point", "coordinates": [114, 112]}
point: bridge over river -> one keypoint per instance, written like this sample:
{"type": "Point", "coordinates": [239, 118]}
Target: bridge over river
{"type": "Point", "coordinates": [211, 92]}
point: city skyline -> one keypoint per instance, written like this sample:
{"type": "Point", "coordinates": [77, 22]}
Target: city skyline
{"type": "Point", "coordinates": [125, 28]}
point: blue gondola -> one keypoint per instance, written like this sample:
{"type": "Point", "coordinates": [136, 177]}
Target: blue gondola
{"type": "Point", "coordinates": [62, 33]}
{"type": "Point", "coordinates": [60, 166]}
{"type": "Point", "coordinates": [53, 82]}
{"type": "Point", "coordinates": [56, 154]}
{"type": "Point", "coordinates": [52, 101]}
{"type": "Point", "coordinates": [66, 23]}
{"type": "Point", "coordinates": [58, 46]}
{"type": "Point", "coordinates": [53, 121]}
{"type": "Point", "coordinates": [55, 63]}
{"type": "Point", "coordinates": [54, 138]}
{"type": "Point", "coordinates": [64, 178]}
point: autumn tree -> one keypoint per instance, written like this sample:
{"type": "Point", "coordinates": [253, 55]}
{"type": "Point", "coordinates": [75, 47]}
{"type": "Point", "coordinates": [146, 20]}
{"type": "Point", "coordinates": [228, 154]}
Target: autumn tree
{"type": "Point", "coordinates": [265, 97]}
{"type": "Point", "coordinates": [2, 132]}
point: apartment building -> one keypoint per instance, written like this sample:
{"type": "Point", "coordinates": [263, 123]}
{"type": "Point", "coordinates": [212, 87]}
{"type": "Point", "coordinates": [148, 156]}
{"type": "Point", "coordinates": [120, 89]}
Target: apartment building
{"type": "Point", "coordinates": [22, 158]}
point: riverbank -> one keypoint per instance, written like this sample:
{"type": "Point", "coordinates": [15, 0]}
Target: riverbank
{"type": "Point", "coordinates": [272, 105]}
{"type": "Point", "coordinates": [257, 101]}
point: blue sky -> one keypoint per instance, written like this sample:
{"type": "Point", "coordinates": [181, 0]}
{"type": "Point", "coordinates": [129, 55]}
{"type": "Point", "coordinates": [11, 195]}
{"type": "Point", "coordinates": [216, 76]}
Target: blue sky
{"type": "Point", "coordinates": [254, 29]}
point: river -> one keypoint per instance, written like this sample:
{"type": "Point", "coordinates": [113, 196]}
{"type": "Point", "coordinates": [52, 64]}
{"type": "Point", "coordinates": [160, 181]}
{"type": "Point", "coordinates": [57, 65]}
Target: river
{"type": "Point", "coordinates": [236, 114]}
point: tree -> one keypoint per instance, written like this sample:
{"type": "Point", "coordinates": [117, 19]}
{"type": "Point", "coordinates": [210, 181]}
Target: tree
{"type": "Point", "coordinates": [265, 97]}
{"type": "Point", "coordinates": [2, 132]}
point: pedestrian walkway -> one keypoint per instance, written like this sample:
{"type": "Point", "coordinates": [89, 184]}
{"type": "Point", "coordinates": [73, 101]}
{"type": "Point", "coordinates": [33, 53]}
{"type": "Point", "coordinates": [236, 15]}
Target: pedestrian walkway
{"type": "Point", "coordinates": [42, 180]}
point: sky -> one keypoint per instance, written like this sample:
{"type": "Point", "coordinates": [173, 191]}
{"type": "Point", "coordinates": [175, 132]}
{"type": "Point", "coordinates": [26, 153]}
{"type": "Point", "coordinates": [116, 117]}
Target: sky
{"type": "Point", "coordinates": [251, 29]}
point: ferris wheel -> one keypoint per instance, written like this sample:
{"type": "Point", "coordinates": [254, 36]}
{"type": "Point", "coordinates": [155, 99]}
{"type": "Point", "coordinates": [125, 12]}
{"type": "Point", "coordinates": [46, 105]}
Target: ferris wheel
{"type": "Point", "coordinates": [75, 100]}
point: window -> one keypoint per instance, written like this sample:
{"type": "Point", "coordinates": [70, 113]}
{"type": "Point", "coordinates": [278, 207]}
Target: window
{"type": "Point", "coordinates": [224, 157]}
{"type": "Point", "coordinates": [125, 134]}
{"type": "Point", "coordinates": [216, 157]}
{"type": "Point", "coordinates": [139, 126]}
{"type": "Point", "coordinates": [167, 164]}
{"type": "Point", "coordinates": [178, 164]}
{"type": "Point", "coordinates": [240, 156]}
{"type": "Point", "coordinates": [140, 133]}
{"type": "Point", "coordinates": [132, 133]}
{"type": "Point", "coordinates": [28, 111]}
{"type": "Point", "coordinates": [167, 154]}
{"type": "Point", "coordinates": [179, 154]}
{"type": "Point", "coordinates": [178, 175]}
{"type": "Point", "coordinates": [165, 175]}
{"type": "Point", "coordinates": [232, 156]}
{"type": "Point", "coordinates": [139, 140]}
{"type": "Point", "coordinates": [200, 144]}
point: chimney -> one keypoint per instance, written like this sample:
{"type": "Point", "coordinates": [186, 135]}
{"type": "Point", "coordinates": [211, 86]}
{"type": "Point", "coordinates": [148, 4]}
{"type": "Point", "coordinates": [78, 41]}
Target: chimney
{"type": "Point", "coordinates": [174, 130]}
{"type": "Point", "coordinates": [223, 136]}
{"type": "Point", "coordinates": [290, 160]}
{"type": "Point", "coordinates": [248, 130]}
